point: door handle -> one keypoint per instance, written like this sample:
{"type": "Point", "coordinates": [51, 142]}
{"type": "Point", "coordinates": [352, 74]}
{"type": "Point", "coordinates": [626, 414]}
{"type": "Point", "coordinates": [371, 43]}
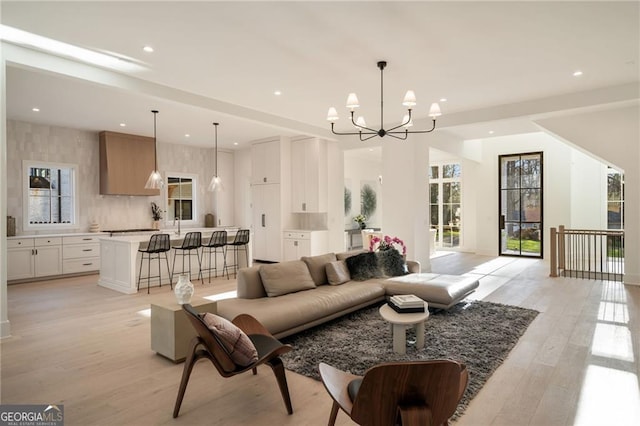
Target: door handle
{"type": "Point", "coordinates": [501, 221]}
{"type": "Point", "coordinates": [263, 220]}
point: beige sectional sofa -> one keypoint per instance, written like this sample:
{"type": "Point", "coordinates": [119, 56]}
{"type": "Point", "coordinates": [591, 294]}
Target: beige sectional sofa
{"type": "Point", "coordinates": [291, 296]}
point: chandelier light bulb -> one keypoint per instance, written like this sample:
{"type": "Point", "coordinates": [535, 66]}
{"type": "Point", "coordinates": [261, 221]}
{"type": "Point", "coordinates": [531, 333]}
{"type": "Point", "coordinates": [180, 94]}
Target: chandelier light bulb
{"type": "Point", "coordinates": [360, 122]}
{"type": "Point", "coordinates": [352, 101]}
{"type": "Point", "coordinates": [332, 115]}
{"type": "Point", "coordinates": [434, 111]}
{"type": "Point", "coordinates": [409, 99]}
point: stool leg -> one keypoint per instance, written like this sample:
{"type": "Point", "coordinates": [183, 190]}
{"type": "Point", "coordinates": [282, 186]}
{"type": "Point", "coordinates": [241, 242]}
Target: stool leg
{"type": "Point", "coordinates": [199, 265]}
{"type": "Point", "coordinates": [173, 268]}
{"type": "Point", "coordinates": [225, 268]}
{"type": "Point", "coordinates": [140, 272]}
{"type": "Point", "coordinates": [166, 258]}
{"type": "Point", "coordinates": [149, 274]}
{"type": "Point", "coordinates": [159, 271]}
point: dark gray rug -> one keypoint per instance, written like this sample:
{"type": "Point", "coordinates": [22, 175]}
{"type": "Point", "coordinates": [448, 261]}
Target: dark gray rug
{"type": "Point", "coordinates": [479, 334]}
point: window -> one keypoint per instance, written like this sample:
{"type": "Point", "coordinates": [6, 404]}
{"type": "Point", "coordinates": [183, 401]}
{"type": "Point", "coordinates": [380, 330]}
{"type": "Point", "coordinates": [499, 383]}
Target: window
{"type": "Point", "coordinates": [181, 203]}
{"type": "Point", "coordinates": [615, 199]}
{"type": "Point", "coordinates": [445, 203]}
{"type": "Point", "coordinates": [50, 195]}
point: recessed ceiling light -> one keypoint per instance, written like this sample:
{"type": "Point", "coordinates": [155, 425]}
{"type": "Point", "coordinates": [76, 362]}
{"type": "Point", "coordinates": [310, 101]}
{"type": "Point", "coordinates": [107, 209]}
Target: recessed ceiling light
{"type": "Point", "coordinates": [123, 124]}
{"type": "Point", "coordinates": [443, 99]}
{"type": "Point", "coordinates": [577, 73]}
{"type": "Point", "coordinates": [491, 132]}
{"type": "Point", "coordinates": [187, 135]}
{"type": "Point", "coordinates": [235, 143]}
{"type": "Point", "coordinates": [148, 49]}
{"type": "Point", "coordinates": [35, 109]}
{"type": "Point", "coordinates": [277, 93]}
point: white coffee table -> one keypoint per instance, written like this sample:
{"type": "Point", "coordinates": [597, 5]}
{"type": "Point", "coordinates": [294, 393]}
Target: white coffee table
{"type": "Point", "coordinates": [399, 323]}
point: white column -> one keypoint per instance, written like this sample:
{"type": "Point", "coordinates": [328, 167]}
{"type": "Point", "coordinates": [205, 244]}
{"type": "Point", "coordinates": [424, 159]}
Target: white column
{"type": "Point", "coordinates": [405, 190]}
{"type": "Point", "coordinates": [5, 329]}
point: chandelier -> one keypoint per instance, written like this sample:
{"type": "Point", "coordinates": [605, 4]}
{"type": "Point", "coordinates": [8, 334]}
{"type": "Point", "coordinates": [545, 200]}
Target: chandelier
{"type": "Point", "coordinates": [216, 182]}
{"type": "Point", "coordinates": [361, 125]}
{"type": "Point", "coordinates": [155, 178]}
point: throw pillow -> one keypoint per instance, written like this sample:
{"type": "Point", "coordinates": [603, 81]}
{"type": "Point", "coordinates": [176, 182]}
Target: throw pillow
{"type": "Point", "coordinates": [316, 265]}
{"type": "Point", "coordinates": [337, 272]}
{"type": "Point", "coordinates": [235, 341]}
{"type": "Point", "coordinates": [363, 266]}
{"type": "Point", "coordinates": [391, 263]}
{"type": "Point", "coordinates": [286, 277]}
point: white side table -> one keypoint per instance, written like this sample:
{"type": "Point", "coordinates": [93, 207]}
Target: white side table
{"type": "Point", "coordinates": [399, 323]}
{"type": "Point", "coordinates": [171, 330]}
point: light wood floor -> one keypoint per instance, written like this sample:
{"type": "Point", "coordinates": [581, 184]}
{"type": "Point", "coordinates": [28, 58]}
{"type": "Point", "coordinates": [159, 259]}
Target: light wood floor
{"type": "Point", "coordinates": [87, 347]}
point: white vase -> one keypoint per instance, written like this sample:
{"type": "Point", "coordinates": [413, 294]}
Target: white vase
{"type": "Point", "coordinates": [183, 289]}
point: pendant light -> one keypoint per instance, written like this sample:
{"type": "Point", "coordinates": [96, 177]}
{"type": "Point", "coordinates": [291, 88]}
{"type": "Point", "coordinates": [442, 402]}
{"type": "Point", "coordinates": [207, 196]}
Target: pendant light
{"type": "Point", "coordinates": [155, 178]}
{"type": "Point", "coordinates": [216, 182]}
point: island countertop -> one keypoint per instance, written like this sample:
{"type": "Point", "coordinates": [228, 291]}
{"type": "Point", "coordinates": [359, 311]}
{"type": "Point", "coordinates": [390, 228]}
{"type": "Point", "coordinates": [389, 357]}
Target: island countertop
{"type": "Point", "coordinates": [120, 259]}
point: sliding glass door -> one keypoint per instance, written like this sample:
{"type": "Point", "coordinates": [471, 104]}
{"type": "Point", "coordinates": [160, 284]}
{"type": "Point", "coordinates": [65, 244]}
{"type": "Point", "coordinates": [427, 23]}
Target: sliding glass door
{"type": "Point", "coordinates": [520, 204]}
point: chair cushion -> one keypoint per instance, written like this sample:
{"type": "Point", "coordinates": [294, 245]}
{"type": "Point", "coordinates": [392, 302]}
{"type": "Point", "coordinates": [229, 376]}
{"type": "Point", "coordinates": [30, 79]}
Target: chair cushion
{"type": "Point", "coordinates": [337, 272]}
{"type": "Point", "coordinates": [316, 265]}
{"type": "Point", "coordinates": [353, 387]}
{"type": "Point", "coordinates": [363, 266]}
{"type": "Point", "coordinates": [240, 348]}
{"type": "Point", "coordinates": [286, 277]}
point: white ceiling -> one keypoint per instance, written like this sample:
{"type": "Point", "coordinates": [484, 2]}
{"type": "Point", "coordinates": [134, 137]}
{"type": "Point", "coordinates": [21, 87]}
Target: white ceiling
{"type": "Point", "coordinates": [222, 61]}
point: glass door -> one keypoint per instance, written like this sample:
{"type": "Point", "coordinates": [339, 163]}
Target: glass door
{"type": "Point", "coordinates": [520, 201]}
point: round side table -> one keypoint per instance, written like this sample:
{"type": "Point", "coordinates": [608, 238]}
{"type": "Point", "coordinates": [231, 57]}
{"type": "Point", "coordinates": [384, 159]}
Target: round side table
{"type": "Point", "coordinates": [400, 322]}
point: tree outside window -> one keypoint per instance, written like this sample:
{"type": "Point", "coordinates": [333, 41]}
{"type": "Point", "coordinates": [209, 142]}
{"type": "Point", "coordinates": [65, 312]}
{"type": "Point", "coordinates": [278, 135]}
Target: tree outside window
{"type": "Point", "coordinates": [180, 198]}
{"type": "Point", "coordinates": [445, 207]}
{"type": "Point", "coordinates": [50, 199]}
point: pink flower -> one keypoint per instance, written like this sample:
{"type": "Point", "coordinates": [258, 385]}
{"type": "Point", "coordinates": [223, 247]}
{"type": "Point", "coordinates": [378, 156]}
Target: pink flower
{"type": "Point", "coordinates": [387, 243]}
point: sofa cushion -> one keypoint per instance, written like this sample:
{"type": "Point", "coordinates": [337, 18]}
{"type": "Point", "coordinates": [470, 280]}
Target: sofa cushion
{"type": "Point", "coordinates": [316, 265]}
{"type": "Point", "coordinates": [250, 284]}
{"type": "Point", "coordinates": [363, 266]}
{"type": "Point", "coordinates": [240, 348]}
{"type": "Point", "coordinates": [337, 272]}
{"type": "Point", "coordinates": [346, 254]}
{"type": "Point", "coordinates": [286, 277]}
{"type": "Point", "coordinates": [391, 263]}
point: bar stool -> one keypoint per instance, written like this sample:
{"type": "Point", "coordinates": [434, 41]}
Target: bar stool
{"type": "Point", "coordinates": [158, 244]}
{"type": "Point", "coordinates": [240, 242]}
{"type": "Point", "coordinates": [192, 241]}
{"type": "Point", "coordinates": [217, 241]}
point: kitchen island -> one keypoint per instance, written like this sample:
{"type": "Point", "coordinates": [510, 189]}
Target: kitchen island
{"type": "Point", "coordinates": [120, 259]}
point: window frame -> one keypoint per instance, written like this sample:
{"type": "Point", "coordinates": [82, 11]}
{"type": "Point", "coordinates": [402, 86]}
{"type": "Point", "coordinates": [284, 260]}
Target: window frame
{"type": "Point", "coordinates": [440, 180]}
{"type": "Point", "coordinates": [27, 165]}
{"type": "Point", "coordinates": [194, 198]}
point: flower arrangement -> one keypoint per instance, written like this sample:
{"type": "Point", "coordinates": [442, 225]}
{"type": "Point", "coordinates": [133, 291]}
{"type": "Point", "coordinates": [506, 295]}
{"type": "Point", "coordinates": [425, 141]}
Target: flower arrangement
{"type": "Point", "coordinates": [387, 243]}
{"type": "Point", "coordinates": [360, 219]}
{"type": "Point", "coordinates": [156, 213]}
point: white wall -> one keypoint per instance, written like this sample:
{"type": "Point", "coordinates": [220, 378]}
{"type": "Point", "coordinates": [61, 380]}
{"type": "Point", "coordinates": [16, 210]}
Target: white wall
{"type": "Point", "coordinates": [612, 135]}
{"type": "Point", "coordinates": [588, 192]}
{"type": "Point", "coordinates": [29, 141]}
{"type": "Point", "coordinates": [557, 186]}
{"type": "Point", "coordinates": [356, 171]}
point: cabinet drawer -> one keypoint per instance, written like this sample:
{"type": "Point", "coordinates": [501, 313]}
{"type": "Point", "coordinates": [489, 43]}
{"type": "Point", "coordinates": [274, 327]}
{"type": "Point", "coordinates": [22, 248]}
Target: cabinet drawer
{"type": "Point", "coordinates": [73, 266]}
{"type": "Point", "coordinates": [297, 235]}
{"type": "Point", "coordinates": [82, 239]}
{"type": "Point", "coordinates": [19, 242]}
{"type": "Point", "coordinates": [81, 251]}
{"type": "Point", "coordinates": [53, 241]}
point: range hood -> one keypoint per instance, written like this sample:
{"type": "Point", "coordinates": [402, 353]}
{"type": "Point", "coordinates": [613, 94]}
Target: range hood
{"type": "Point", "coordinates": [125, 163]}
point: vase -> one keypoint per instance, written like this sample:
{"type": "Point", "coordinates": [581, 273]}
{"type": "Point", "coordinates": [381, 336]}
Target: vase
{"type": "Point", "coordinates": [363, 225]}
{"type": "Point", "coordinates": [183, 289]}
{"type": "Point", "coordinates": [155, 224]}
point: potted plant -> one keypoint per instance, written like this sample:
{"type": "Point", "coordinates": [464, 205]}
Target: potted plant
{"type": "Point", "coordinates": [156, 214]}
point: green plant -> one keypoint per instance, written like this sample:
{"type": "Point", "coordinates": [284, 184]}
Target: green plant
{"type": "Point", "coordinates": [368, 200]}
{"type": "Point", "coordinates": [347, 201]}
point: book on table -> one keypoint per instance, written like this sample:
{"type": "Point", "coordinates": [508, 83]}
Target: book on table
{"type": "Point", "coordinates": [405, 310]}
{"type": "Point", "coordinates": [407, 301]}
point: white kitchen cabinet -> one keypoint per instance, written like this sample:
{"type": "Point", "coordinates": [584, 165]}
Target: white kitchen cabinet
{"type": "Point", "coordinates": [309, 164]}
{"type": "Point", "coordinates": [265, 162]}
{"type": "Point", "coordinates": [33, 257]}
{"type": "Point", "coordinates": [80, 254]}
{"type": "Point", "coordinates": [266, 211]}
{"type": "Point", "coordinates": [297, 243]}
